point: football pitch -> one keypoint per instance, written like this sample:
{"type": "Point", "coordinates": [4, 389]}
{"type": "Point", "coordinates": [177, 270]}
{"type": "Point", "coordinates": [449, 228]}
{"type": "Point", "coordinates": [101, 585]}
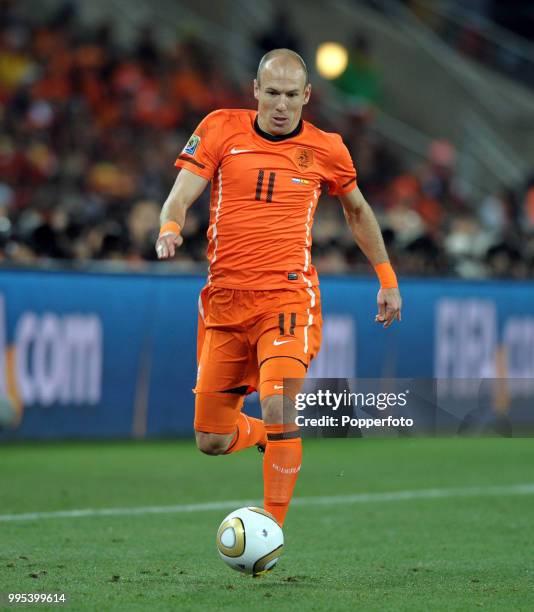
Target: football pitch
{"type": "Point", "coordinates": [378, 524]}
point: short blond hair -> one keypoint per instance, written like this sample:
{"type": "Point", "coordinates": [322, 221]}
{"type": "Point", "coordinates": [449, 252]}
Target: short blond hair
{"type": "Point", "coordinates": [280, 53]}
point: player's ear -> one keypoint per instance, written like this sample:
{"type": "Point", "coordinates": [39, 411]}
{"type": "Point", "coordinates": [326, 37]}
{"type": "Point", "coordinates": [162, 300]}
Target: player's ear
{"type": "Point", "coordinates": [256, 89]}
{"type": "Point", "coordinates": [307, 93]}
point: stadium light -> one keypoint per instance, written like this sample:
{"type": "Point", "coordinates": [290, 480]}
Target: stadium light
{"type": "Point", "coordinates": [331, 59]}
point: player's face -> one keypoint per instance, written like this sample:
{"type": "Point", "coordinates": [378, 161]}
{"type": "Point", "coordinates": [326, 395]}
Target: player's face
{"type": "Point", "coordinates": [281, 94]}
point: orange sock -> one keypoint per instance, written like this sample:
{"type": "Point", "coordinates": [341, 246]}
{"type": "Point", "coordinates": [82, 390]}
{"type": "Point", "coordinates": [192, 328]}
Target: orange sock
{"type": "Point", "coordinates": [281, 466]}
{"type": "Point", "coordinates": [249, 432]}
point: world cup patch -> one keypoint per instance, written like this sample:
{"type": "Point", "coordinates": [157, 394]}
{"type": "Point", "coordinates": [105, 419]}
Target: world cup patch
{"type": "Point", "coordinates": [192, 145]}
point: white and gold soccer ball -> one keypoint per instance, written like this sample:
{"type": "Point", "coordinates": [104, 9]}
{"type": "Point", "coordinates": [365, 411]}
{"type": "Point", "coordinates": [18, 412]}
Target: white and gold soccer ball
{"type": "Point", "coordinates": [250, 540]}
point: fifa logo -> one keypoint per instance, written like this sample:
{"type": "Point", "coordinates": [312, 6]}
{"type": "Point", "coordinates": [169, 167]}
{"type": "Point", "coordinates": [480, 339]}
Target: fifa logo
{"type": "Point", "coordinates": [472, 342]}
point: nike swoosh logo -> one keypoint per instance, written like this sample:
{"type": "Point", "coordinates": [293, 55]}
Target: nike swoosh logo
{"type": "Point", "coordinates": [236, 151]}
{"type": "Point", "coordinates": [279, 342]}
{"type": "Point", "coordinates": [278, 386]}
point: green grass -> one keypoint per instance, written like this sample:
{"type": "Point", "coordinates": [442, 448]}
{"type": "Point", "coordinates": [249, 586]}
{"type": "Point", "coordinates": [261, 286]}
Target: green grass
{"type": "Point", "coordinates": [453, 553]}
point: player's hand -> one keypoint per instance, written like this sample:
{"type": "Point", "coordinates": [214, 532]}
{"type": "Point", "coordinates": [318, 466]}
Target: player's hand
{"type": "Point", "coordinates": [167, 244]}
{"type": "Point", "coordinates": [389, 306]}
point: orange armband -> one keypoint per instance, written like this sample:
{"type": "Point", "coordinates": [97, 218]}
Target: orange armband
{"type": "Point", "coordinates": [386, 275]}
{"type": "Point", "coordinates": [170, 226]}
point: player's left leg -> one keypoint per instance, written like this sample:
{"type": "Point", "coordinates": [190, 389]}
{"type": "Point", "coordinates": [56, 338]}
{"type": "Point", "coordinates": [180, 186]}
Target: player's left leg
{"type": "Point", "coordinates": [284, 352]}
{"type": "Point", "coordinates": [283, 455]}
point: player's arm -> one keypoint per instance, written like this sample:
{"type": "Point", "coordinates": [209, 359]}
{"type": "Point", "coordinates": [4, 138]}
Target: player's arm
{"type": "Point", "coordinates": [186, 189]}
{"type": "Point", "coordinates": [366, 231]}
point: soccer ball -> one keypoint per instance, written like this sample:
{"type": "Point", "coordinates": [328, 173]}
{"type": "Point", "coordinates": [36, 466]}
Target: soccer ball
{"type": "Point", "coordinates": [250, 540]}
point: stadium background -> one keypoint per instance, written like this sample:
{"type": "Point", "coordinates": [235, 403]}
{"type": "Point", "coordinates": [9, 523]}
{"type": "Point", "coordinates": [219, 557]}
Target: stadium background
{"type": "Point", "coordinates": [436, 106]}
{"type": "Point", "coordinates": [97, 338]}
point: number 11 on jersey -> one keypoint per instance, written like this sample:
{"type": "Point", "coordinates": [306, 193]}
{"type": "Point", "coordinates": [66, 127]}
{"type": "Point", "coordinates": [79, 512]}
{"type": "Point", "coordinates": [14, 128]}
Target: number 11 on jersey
{"type": "Point", "coordinates": [270, 185]}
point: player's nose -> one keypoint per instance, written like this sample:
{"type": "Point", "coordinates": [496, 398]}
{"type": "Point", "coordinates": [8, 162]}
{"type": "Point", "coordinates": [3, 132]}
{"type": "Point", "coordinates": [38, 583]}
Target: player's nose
{"type": "Point", "coordinates": [282, 104]}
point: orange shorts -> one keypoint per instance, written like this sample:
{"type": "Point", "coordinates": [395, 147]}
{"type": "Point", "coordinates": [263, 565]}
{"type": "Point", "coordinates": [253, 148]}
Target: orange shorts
{"type": "Point", "coordinates": [251, 340]}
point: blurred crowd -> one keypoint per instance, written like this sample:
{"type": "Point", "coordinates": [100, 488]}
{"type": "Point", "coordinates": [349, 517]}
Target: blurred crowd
{"type": "Point", "coordinates": [91, 130]}
{"type": "Point", "coordinates": [475, 28]}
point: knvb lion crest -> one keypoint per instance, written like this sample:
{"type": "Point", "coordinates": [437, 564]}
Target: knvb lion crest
{"type": "Point", "coordinates": [304, 158]}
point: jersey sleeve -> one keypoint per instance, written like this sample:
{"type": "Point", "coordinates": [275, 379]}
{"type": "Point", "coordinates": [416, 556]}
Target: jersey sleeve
{"type": "Point", "coordinates": [201, 153]}
{"type": "Point", "coordinates": [341, 172]}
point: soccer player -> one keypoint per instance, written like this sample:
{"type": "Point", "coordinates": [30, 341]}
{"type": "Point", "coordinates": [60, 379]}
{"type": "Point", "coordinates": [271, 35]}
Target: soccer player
{"type": "Point", "coordinates": [259, 314]}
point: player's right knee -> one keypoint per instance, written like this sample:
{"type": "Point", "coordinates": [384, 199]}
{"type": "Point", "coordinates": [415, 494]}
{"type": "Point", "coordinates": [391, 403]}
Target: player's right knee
{"type": "Point", "coordinates": [213, 444]}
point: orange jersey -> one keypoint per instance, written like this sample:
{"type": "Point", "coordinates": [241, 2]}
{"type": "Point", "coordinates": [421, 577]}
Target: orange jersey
{"type": "Point", "coordinates": [263, 197]}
